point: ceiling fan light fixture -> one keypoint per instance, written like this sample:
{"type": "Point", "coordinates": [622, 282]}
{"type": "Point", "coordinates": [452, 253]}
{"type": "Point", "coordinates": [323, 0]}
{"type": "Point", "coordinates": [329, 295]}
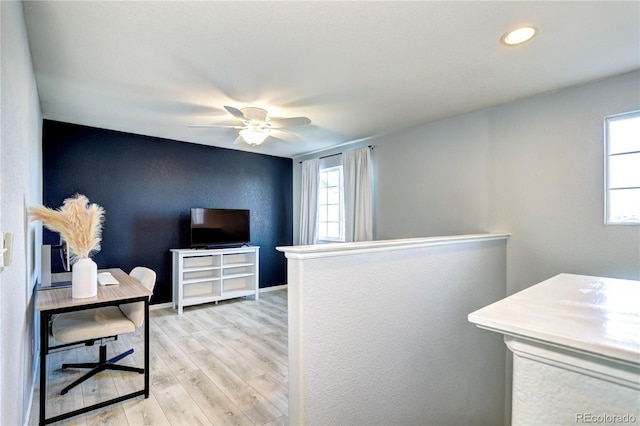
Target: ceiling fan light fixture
{"type": "Point", "coordinates": [255, 128]}
{"type": "Point", "coordinates": [253, 137]}
{"type": "Point", "coordinates": [519, 35]}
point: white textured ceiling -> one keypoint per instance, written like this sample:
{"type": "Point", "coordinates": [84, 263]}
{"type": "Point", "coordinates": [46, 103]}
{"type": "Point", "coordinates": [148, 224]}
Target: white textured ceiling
{"type": "Point", "coordinates": [357, 69]}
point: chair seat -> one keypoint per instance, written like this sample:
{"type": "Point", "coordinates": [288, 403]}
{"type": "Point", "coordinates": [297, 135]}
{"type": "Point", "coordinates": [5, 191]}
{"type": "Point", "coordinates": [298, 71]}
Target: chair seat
{"type": "Point", "coordinates": [91, 324]}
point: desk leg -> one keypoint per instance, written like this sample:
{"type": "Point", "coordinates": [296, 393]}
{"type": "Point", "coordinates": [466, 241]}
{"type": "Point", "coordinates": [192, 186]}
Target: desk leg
{"type": "Point", "coordinates": [44, 348]}
{"type": "Point", "coordinates": [146, 348]}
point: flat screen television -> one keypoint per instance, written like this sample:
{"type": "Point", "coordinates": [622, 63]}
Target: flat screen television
{"type": "Point", "coordinates": [212, 228]}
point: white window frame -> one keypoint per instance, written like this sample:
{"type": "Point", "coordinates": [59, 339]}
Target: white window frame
{"type": "Point", "coordinates": [607, 168]}
{"type": "Point", "coordinates": [323, 204]}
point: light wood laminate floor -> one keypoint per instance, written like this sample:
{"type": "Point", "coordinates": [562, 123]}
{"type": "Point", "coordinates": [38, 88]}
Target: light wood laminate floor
{"type": "Point", "coordinates": [222, 364]}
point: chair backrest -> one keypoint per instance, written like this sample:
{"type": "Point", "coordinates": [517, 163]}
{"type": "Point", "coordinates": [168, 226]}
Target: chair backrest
{"type": "Point", "coordinates": [135, 311]}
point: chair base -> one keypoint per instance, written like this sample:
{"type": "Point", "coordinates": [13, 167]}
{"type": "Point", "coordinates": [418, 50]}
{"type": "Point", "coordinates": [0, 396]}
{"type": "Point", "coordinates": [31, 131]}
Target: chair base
{"type": "Point", "coordinates": [102, 365]}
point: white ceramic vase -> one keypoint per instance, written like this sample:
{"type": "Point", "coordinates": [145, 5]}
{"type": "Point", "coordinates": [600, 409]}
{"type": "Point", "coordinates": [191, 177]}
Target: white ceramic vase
{"type": "Point", "coordinates": [84, 279]}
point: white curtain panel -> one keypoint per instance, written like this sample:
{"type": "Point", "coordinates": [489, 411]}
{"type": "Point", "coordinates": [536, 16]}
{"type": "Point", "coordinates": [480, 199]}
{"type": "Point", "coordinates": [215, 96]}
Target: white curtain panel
{"type": "Point", "coordinates": [358, 195]}
{"type": "Point", "coordinates": [309, 201]}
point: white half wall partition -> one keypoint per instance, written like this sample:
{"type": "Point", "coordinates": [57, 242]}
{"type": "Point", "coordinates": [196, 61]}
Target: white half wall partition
{"type": "Point", "coordinates": [378, 332]}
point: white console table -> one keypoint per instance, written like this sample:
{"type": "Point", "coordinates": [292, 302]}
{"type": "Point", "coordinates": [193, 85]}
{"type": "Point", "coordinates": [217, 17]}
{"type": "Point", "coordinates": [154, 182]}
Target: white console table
{"type": "Point", "coordinates": [211, 275]}
{"type": "Point", "coordinates": [576, 350]}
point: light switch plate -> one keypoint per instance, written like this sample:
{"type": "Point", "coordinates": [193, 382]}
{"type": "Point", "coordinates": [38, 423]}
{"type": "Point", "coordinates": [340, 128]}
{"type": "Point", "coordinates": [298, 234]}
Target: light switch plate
{"type": "Point", "coordinates": [6, 247]}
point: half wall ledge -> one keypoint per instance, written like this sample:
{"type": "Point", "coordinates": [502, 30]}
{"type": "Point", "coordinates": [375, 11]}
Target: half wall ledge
{"type": "Point", "coordinates": [343, 249]}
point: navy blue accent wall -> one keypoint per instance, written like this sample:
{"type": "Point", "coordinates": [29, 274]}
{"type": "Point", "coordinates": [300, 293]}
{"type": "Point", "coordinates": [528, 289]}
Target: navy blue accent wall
{"type": "Point", "coordinates": [147, 186]}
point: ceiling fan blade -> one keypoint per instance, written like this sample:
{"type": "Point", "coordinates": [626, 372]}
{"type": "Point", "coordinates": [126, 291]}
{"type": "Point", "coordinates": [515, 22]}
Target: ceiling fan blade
{"type": "Point", "coordinates": [288, 122]}
{"type": "Point", "coordinates": [285, 136]}
{"type": "Point", "coordinates": [238, 140]}
{"type": "Point", "coordinates": [235, 112]}
{"type": "Point", "coordinates": [215, 125]}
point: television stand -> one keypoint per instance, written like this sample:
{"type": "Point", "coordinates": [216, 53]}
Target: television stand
{"type": "Point", "coordinates": [210, 275]}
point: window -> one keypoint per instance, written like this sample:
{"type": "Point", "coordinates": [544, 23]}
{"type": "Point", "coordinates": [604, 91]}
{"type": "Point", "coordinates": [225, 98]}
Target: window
{"type": "Point", "coordinates": [331, 205]}
{"type": "Point", "coordinates": [622, 169]}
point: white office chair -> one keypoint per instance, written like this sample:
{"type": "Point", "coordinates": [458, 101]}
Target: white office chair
{"type": "Point", "coordinates": [91, 325]}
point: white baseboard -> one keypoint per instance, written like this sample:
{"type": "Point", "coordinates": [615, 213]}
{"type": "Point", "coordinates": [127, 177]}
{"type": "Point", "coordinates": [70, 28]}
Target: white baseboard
{"type": "Point", "coordinates": [160, 306]}
{"type": "Point", "coordinates": [273, 288]}
{"type": "Point", "coordinates": [35, 374]}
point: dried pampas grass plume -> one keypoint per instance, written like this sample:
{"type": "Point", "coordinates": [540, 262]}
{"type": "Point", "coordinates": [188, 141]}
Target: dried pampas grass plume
{"type": "Point", "coordinates": [78, 222]}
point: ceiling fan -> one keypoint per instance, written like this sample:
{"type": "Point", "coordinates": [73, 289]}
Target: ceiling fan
{"type": "Point", "coordinates": [256, 127]}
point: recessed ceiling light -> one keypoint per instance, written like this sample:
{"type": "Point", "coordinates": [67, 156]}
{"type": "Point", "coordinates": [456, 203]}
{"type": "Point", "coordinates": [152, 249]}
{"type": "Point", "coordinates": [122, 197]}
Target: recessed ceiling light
{"type": "Point", "coordinates": [519, 35]}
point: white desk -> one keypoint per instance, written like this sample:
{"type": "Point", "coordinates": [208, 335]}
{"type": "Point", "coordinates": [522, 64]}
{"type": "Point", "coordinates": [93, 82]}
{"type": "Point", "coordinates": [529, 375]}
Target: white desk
{"type": "Point", "coordinates": [59, 300]}
{"type": "Point", "coordinates": [576, 349]}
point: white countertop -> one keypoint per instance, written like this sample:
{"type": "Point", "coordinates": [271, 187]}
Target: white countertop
{"type": "Point", "coordinates": [594, 314]}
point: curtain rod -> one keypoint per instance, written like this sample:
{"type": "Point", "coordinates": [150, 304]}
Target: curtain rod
{"type": "Point", "coordinates": [339, 153]}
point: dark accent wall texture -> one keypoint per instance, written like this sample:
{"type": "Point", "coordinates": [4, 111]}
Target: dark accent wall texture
{"type": "Point", "coordinates": [147, 186]}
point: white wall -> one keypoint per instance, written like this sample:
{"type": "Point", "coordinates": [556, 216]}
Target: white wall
{"type": "Point", "coordinates": [433, 180]}
{"type": "Point", "coordinates": [547, 184]}
{"type": "Point", "coordinates": [378, 332]}
{"type": "Point", "coordinates": [20, 186]}
{"type": "Point", "coordinates": [532, 168]}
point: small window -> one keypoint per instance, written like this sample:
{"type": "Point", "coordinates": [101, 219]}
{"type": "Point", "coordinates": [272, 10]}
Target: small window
{"type": "Point", "coordinates": [331, 205]}
{"type": "Point", "coordinates": [622, 169]}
